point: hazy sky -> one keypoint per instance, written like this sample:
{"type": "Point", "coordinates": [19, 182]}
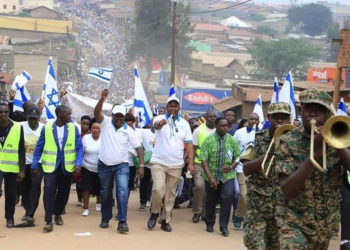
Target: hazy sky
{"type": "Point", "coordinates": [301, 1]}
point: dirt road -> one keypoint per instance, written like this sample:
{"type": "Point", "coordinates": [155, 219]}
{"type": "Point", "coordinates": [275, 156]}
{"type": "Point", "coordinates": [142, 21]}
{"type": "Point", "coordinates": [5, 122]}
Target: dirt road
{"type": "Point", "coordinates": [185, 235]}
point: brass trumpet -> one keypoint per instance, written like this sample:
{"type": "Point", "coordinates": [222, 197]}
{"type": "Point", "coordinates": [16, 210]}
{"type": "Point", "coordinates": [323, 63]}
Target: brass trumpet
{"type": "Point", "coordinates": [335, 132]}
{"type": "Point", "coordinates": [265, 170]}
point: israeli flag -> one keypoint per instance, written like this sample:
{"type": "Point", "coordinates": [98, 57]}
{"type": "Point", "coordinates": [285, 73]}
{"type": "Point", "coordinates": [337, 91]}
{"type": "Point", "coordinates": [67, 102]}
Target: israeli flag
{"type": "Point", "coordinates": [102, 74]}
{"type": "Point", "coordinates": [287, 94]}
{"type": "Point", "coordinates": [342, 109]}
{"type": "Point", "coordinates": [50, 92]}
{"type": "Point", "coordinates": [22, 94]}
{"type": "Point", "coordinates": [275, 91]}
{"type": "Point", "coordinates": [172, 91]}
{"type": "Point", "coordinates": [258, 109]}
{"type": "Point", "coordinates": [141, 106]}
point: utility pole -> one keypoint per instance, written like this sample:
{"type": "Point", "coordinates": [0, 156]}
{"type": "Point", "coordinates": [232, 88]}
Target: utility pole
{"type": "Point", "coordinates": [173, 46]}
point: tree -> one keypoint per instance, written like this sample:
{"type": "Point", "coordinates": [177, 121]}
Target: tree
{"type": "Point", "coordinates": [266, 30]}
{"type": "Point", "coordinates": [313, 19]}
{"type": "Point", "coordinates": [277, 58]}
{"type": "Point", "coordinates": [150, 35]}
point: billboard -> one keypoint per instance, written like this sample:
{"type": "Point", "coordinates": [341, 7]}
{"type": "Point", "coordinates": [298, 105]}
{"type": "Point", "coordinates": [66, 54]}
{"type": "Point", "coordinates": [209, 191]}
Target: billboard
{"type": "Point", "coordinates": [200, 100]}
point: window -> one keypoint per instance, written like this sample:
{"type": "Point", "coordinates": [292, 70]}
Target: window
{"type": "Point", "coordinates": [13, 7]}
{"type": "Point", "coordinates": [4, 6]}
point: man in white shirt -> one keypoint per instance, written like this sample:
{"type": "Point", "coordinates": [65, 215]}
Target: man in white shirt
{"type": "Point", "coordinates": [199, 135]}
{"type": "Point", "coordinates": [116, 138]}
{"type": "Point", "coordinates": [173, 141]}
{"type": "Point", "coordinates": [245, 136]}
{"type": "Point", "coordinates": [31, 185]}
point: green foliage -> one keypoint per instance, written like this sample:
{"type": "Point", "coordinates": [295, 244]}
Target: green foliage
{"type": "Point", "coordinates": [277, 58]}
{"type": "Point", "coordinates": [313, 19]}
{"type": "Point", "coordinates": [258, 17]}
{"type": "Point", "coordinates": [266, 30]}
{"type": "Point", "coordinates": [150, 35]}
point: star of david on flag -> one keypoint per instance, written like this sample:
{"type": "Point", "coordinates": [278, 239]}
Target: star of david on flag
{"type": "Point", "coordinates": [50, 92]}
{"type": "Point", "coordinates": [141, 106]}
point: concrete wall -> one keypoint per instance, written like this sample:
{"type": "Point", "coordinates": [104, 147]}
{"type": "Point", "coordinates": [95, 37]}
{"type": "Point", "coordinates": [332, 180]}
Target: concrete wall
{"type": "Point", "coordinates": [8, 6]}
{"type": "Point", "coordinates": [44, 13]}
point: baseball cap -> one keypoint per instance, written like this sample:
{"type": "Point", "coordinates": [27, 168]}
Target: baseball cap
{"type": "Point", "coordinates": [173, 98]}
{"type": "Point", "coordinates": [118, 109]}
{"type": "Point", "coordinates": [279, 107]}
{"type": "Point", "coordinates": [317, 96]}
{"type": "Point", "coordinates": [34, 112]}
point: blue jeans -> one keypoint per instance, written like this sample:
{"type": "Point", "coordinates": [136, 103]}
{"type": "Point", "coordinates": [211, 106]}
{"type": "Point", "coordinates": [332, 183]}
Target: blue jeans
{"type": "Point", "coordinates": [107, 174]}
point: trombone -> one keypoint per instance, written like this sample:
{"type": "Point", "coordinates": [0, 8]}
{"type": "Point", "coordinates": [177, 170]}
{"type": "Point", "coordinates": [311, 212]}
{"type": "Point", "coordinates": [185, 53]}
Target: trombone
{"type": "Point", "coordinates": [265, 169]}
{"type": "Point", "coordinates": [335, 132]}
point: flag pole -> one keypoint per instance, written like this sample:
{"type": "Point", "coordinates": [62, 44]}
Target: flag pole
{"type": "Point", "coordinates": [173, 45]}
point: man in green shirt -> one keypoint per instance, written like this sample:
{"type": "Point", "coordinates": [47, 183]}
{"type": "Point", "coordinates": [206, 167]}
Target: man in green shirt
{"type": "Point", "coordinates": [218, 153]}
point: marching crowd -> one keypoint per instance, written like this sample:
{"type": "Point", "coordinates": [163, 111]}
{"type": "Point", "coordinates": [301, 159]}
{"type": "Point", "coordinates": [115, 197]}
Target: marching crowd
{"type": "Point", "coordinates": [293, 206]}
{"type": "Point", "coordinates": [113, 56]}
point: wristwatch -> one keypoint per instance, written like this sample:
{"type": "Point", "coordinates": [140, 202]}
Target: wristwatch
{"type": "Point", "coordinates": [141, 165]}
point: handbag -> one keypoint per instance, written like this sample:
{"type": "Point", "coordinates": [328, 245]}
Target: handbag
{"type": "Point", "coordinates": [147, 155]}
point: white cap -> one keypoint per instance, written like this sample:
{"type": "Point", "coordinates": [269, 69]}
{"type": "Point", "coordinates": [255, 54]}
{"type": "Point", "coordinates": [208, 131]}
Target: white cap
{"type": "Point", "coordinates": [173, 98]}
{"type": "Point", "coordinates": [118, 109]}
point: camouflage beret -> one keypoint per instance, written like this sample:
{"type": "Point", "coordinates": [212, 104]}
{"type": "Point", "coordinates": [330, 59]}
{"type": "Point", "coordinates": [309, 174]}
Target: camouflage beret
{"type": "Point", "coordinates": [316, 96]}
{"type": "Point", "coordinates": [278, 107]}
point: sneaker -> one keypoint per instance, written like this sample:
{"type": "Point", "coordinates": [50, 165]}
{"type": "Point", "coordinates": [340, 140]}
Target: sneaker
{"type": "Point", "coordinates": [142, 207]}
{"type": "Point", "coordinates": [122, 227]}
{"type": "Point", "coordinates": [148, 203]}
{"type": "Point", "coordinates": [237, 222]}
{"type": "Point", "coordinates": [79, 204]}
{"type": "Point", "coordinates": [98, 207]}
{"type": "Point", "coordinates": [85, 212]}
{"type": "Point", "coordinates": [345, 246]}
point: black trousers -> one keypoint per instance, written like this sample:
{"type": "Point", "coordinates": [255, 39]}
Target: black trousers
{"type": "Point", "coordinates": [56, 192]}
{"type": "Point", "coordinates": [224, 195]}
{"type": "Point", "coordinates": [31, 190]}
{"type": "Point", "coordinates": [345, 214]}
{"type": "Point", "coordinates": [132, 174]}
{"type": "Point", "coordinates": [146, 187]}
{"type": "Point", "coordinates": [10, 180]}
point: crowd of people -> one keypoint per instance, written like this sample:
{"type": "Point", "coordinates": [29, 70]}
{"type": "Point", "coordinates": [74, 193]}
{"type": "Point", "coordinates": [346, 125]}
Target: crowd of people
{"type": "Point", "coordinates": [113, 55]}
{"type": "Point", "coordinates": [295, 207]}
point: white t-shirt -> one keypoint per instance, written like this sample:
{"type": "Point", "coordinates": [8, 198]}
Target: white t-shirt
{"type": "Point", "coordinates": [132, 151]}
{"type": "Point", "coordinates": [148, 138]}
{"type": "Point", "coordinates": [31, 137]}
{"type": "Point", "coordinates": [91, 150]}
{"type": "Point", "coordinates": [244, 138]}
{"type": "Point", "coordinates": [60, 135]}
{"type": "Point", "coordinates": [196, 133]}
{"type": "Point", "coordinates": [115, 143]}
{"type": "Point", "coordinates": [170, 140]}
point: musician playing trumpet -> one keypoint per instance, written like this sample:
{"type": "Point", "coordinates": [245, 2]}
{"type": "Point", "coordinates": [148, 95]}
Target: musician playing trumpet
{"type": "Point", "coordinates": [307, 210]}
{"type": "Point", "coordinates": [260, 229]}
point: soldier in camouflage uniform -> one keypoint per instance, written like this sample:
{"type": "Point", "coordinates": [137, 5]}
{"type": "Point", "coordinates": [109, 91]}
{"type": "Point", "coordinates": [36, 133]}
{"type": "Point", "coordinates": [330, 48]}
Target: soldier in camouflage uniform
{"type": "Point", "coordinates": [260, 229]}
{"type": "Point", "coordinates": [307, 210]}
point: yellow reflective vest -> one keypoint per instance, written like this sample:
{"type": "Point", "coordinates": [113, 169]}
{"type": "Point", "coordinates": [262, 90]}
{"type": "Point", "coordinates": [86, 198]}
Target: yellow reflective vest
{"type": "Point", "coordinates": [203, 133]}
{"type": "Point", "coordinates": [9, 159]}
{"type": "Point", "coordinates": [49, 156]}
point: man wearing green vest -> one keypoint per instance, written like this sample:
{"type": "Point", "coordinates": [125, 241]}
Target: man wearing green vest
{"type": "Point", "coordinates": [199, 136]}
{"type": "Point", "coordinates": [12, 160]}
{"type": "Point", "coordinates": [61, 152]}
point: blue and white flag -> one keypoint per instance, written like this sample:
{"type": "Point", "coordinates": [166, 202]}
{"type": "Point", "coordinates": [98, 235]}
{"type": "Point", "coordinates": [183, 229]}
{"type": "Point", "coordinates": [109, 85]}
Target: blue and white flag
{"type": "Point", "coordinates": [172, 91]}
{"type": "Point", "coordinates": [275, 91]}
{"type": "Point", "coordinates": [258, 109]}
{"type": "Point", "coordinates": [102, 74]}
{"type": "Point", "coordinates": [155, 109]}
{"type": "Point", "coordinates": [342, 109]}
{"type": "Point", "coordinates": [50, 92]}
{"type": "Point", "coordinates": [22, 94]}
{"type": "Point", "coordinates": [141, 106]}
{"type": "Point", "coordinates": [287, 94]}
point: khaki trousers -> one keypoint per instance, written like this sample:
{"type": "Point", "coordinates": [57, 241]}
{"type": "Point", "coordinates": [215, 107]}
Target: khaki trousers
{"type": "Point", "coordinates": [198, 190]}
{"type": "Point", "coordinates": [165, 181]}
{"type": "Point", "coordinates": [242, 195]}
